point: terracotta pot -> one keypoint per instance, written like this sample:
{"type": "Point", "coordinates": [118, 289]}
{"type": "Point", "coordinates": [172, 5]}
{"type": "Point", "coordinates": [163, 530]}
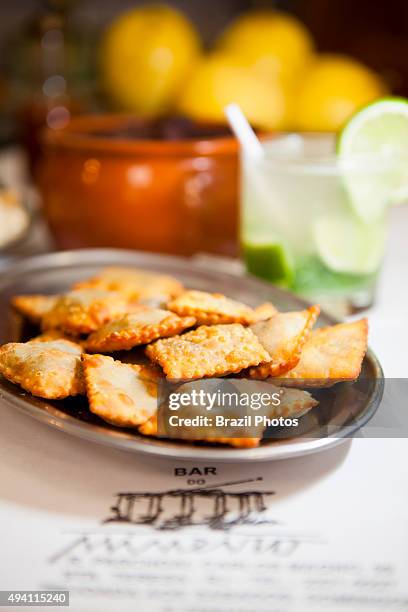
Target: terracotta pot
{"type": "Point", "coordinates": [168, 196]}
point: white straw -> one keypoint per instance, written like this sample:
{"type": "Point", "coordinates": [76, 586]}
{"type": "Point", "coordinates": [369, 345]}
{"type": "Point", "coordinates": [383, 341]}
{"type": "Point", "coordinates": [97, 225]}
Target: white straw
{"type": "Point", "coordinates": [244, 133]}
{"type": "Point", "coordinates": [255, 152]}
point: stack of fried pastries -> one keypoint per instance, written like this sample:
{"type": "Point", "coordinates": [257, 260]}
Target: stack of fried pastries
{"type": "Point", "coordinates": [182, 335]}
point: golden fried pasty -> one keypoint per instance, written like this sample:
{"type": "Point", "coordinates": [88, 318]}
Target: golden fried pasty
{"type": "Point", "coordinates": [55, 334]}
{"type": "Point", "coordinates": [283, 336]}
{"type": "Point", "coordinates": [142, 327]}
{"type": "Point", "coordinates": [134, 284]}
{"type": "Point", "coordinates": [265, 311]}
{"type": "Point", "coordinates": [293, 403]}
{"type": "Point", "coordinates": [211, 308]}
{"type": "Point", "coordinates": [52, 370]}
{"type": "Point", "coordinates": [208, 351]}
{"type": "Point", "coordinates": [85, 310]}
{"type": "Point", "coordinates": [34, 307]}
{"type": "Point", "coordinates": [50, 341]}
{"type": "Point", "coordinates": [120, 393]}
{"type": "Point", "coordinates": [331, 354]}
{"type": "Point", "coordinates": [150, 429]}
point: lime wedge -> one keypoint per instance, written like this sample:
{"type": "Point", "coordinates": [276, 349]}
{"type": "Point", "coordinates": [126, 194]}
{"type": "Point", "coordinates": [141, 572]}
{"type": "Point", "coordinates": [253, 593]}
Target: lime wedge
{"type": "Point", "coordinates": [373, 152]}
{"type": "Point", "coordinates": [346, 244]}
{"type": "Point", "coordinates": [268, 260]}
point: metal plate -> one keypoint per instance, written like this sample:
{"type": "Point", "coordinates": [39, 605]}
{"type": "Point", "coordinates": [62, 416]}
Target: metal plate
{"type": "Point", "coordinates": [54, 273]}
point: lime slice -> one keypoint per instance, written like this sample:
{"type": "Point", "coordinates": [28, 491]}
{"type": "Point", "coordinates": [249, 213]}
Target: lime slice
{"type": "Point", "coordinates": [268, 260]}
{"type": "Point", "coordinates": [346, 244]}
{"type": "Point", "coordinates": [373, 152]}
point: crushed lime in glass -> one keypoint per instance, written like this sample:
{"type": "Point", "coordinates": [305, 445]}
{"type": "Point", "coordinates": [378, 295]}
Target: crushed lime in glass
{"type": "Point", "coordinates": [314, 208]}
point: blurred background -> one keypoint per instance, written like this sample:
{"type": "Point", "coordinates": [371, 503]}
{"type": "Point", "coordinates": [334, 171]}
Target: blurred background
{"type": "Point", "coordinates": [70, 39]}
{"type": "Point", "coordinates": [150, 152]}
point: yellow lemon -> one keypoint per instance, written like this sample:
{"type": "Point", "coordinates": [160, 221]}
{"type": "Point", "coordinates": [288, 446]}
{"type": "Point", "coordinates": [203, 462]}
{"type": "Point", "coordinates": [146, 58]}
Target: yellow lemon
{"type": "Point", "coordinates": [274, 41]}
{"type": "Point", "coordinates": [147, 53]}
{"type": "Point", "coordinates": [220, 79]}
{"type": "Point", "coordinates": [334, 88]}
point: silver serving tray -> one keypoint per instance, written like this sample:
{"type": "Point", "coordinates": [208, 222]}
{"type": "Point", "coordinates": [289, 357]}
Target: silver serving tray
{"type": "Point", "coordinates": [333, 419]}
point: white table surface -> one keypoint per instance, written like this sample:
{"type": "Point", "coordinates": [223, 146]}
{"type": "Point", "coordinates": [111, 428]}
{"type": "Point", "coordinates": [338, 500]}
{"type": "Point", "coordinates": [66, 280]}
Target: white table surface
{"type": "Point", "coordinates": [389, 316]}
{"type": "Point", "coordinates": [333, 537]}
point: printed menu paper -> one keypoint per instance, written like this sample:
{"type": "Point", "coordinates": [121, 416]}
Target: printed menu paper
{"type": "Point", "coordinates": [322, 532]}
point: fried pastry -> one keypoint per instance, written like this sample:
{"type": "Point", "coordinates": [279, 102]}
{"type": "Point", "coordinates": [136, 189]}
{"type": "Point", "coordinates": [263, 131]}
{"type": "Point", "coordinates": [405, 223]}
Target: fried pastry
{"type": "Point", "coordinates": [208, 351]}
{"type": "Point", "coordinates": [134, 284]}
{"type": "Point", "coordinates": [34, 307]}
{"type": "Point", "coordinates": [150, 428]}
{"type": "Point", "coordinates": [142, 327]}
{"type": "Point", "coordinates": [211, 308]}
{"type": "Point", "coordinates": [51, 341]}
{"type": "Point", "coordinates": [85, 310]}
{"type": "Point", "coordinates": [122, 394]}
{"type": "Point", "coordinates": [55, 334]}
{"type": "Point", "coordinates": [52, 370]}
{"type": "Point", "coordinates": [265, 311]}
{"type": "Point", "coordinates": [331, 354]}
{"type": "Point", "coordinates": [283, 336]}
{"type": "Point", "coordinates": [294, 403]}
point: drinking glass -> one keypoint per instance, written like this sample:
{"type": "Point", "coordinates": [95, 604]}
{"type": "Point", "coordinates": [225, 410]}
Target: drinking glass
{"type": "Point", "coordinates": [314, 223]}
